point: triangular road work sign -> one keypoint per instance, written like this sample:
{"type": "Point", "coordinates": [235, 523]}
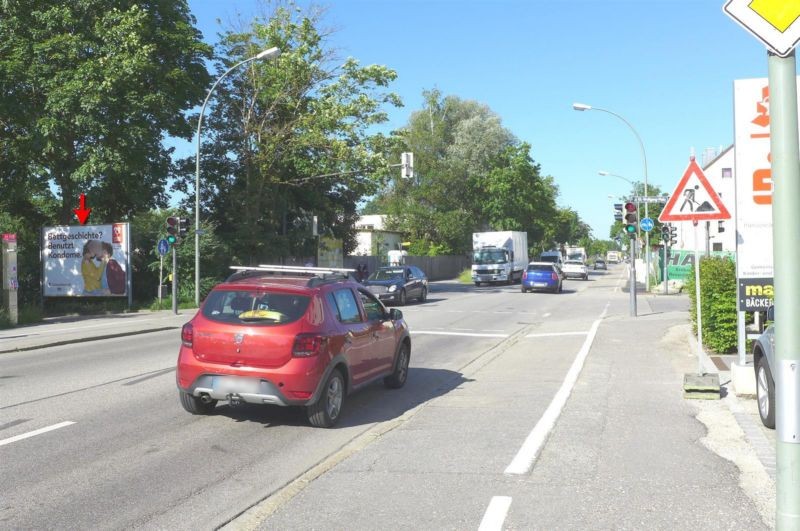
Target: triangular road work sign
{"type": "Point", "coordinates": [694, 199]}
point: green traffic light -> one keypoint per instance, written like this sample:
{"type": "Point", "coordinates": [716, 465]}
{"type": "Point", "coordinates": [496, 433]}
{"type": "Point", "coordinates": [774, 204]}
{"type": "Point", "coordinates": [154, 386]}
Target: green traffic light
{"type": "Point", "coordinates": [171, 239]}
{"type": "Point", "coordinates": [630, 229]}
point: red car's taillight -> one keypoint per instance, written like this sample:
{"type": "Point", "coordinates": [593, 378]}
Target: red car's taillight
{"type": "Point", "coordinates": [187, 334]}
{"type": "Point", "coordinates": [306, 345]}
{"type": "Point", "coordinates": [553, 276]}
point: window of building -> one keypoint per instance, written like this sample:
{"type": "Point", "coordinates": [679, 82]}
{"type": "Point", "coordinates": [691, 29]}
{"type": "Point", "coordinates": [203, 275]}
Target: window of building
{"type": "Point", "coordinates": [717, 246]}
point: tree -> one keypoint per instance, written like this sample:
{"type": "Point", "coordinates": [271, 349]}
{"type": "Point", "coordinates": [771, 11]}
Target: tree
{"type": "Point", "coordinates": [88, 89]}
{"type": "Point", "coordinates": [289, 139]}
{"type": "Point", "coordinates": [472, 174]}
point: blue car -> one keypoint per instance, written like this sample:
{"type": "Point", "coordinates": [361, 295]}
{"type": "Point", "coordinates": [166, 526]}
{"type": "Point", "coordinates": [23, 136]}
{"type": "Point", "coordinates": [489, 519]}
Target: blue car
{"type": "Point", "coordinates": [543, 276]}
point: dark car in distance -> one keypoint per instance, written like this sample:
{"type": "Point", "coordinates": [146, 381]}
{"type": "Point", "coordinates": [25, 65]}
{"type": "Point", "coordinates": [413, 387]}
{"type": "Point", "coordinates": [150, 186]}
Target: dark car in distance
{"type": "Point", "coordinates": [600, 264]}
{"type": "Point", "coordinates": [398, 284]}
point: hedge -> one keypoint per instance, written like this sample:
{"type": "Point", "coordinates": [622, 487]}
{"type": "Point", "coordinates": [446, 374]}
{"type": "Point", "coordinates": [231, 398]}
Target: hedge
{"type": "Point", "coordinates": [717, 302]}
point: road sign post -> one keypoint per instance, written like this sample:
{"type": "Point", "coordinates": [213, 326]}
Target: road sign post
{"type": "Point", "coordinates": [777, 24]}
{"type": "Point", "coordinates": [174, 281]}
{"type": "Point", "coordinates": [785, 203]}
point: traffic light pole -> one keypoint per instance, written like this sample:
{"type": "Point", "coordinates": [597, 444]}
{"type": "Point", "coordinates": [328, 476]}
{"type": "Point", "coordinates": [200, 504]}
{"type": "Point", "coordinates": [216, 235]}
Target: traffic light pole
{"type": "Point", "coordinates": [633, 276]}
{"type": "Point", "coordinates": [785, 201]}
{"type": "Point", "coordinates": [174, 281]}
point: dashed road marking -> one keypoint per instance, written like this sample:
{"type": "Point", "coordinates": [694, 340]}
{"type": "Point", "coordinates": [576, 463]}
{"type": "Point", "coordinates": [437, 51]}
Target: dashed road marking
{"type": "Point", "coordinates": [33, 433]}
{"type": "Point", "coordinates": [495, 514]}
{"type": "Point", "coordinates": [465, 334]}
{"type": "Point", "coordinates": [552, 334]}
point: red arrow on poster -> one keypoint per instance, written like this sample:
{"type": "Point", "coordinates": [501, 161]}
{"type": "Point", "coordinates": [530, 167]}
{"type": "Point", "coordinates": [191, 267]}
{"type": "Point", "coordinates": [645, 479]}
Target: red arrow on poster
{"type": "Point", "coordinates": [694, 199]}
{"type": "Point", "coordinates": [82, 213]}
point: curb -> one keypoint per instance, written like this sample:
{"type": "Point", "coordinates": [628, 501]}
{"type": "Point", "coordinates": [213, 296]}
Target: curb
{"type": "Point", "coordinates": [87, 339]}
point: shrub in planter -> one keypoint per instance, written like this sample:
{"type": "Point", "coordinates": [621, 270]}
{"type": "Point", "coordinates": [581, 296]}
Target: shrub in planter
{"type": "Point", "coordinates": [717, 302]}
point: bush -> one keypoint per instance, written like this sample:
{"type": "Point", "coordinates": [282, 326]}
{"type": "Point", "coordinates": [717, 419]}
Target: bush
{"type": "Point", "coordinates": [465, 277]}
{"type": "Point", "coordinates": [717, 302]}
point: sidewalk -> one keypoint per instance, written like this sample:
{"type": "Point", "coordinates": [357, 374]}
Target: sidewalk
{"type": "Point", "coordinates": [55, 331]}
{"type": "Point", "coordinates": [628, 451]}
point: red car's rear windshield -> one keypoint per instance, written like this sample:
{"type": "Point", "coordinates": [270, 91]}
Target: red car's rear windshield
{"type": "Point", "coordinates": [254, 307]}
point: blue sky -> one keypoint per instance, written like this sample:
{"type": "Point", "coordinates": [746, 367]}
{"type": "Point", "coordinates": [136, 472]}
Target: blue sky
{"type": "Point", "coordinates": [667, 66]}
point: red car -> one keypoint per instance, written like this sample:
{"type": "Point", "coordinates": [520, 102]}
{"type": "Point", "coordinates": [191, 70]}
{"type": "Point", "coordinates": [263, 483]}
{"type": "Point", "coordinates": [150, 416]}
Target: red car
{"type": "Point", "coordinates": [290, 336]}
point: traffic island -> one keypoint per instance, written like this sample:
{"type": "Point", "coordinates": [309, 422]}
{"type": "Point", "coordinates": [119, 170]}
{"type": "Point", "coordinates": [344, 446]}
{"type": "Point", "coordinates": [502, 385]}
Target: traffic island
{"type": "Point", "coordinates": [701, 386]}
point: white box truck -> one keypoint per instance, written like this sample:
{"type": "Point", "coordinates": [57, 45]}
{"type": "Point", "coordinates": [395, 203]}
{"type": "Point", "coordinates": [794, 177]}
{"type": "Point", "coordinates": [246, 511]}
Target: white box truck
{"type": "Point", "coordinates": [499, 256]}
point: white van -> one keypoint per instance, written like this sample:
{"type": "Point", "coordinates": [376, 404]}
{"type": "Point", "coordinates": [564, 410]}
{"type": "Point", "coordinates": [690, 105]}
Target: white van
{"type": "Point", "coordinates": [552, 256]}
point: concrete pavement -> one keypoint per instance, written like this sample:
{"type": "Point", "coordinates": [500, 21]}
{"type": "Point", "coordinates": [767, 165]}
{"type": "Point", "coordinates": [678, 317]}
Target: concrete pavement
{"type": "Point", "coordinates": [626, 450]}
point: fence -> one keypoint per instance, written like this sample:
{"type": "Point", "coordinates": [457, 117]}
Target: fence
{"type": "Point", "coordinates": [435, 267]}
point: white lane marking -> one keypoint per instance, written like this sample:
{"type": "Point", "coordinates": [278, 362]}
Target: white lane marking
{"type": "Point", "coordinates": [495, 514]}
{"type": "Point", "coordinates": [467, 334]}
{"type": "Point", "coordinates": [459, 329]}
{"type": "Point", "coordinates": [548, 314]}
{"type": "Point", "coordinates": [550, 334]}
{"type": "Point", "coordinates": [492, 330]}
{"type": "Point", "coordinates": [502, 312]}
{"type": "Point", "coordinates": [529, 451]}
{"type": "Point", "coordinates": [33, 433]}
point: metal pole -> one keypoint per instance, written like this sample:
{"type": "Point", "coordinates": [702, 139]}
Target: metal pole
{"type": "Point", "coordinates": [160, 279]}
{"type": "Point", "coordinates": [633, 277]}
{"type": "Point", "coordinates": [741, 333]}
{"type": "Point", "coordinates": [174, 281]}
{"type": "Point", "coordinates": [697, 301]}
{"type": "Point", "coordinates": [646, 194]}
{"type": "Point", "coordinates": [666, 262]}
{"type": "Point", "coordinates": [197, 179]}
{"type": "Point", "coordinates": [785, 202]}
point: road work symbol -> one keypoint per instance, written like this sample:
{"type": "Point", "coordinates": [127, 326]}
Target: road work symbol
{"type": "Point", "coordinates": [694, 199]}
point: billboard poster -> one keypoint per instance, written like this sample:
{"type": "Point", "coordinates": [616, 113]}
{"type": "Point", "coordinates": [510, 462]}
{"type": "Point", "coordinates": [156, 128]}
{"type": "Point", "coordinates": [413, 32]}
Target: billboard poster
{"type": "Point", "coordinates": [329, 252]}
{"type": "Point", "coordinates": [754, 263]}
{"type": "Point", "coordinates": [86, 260]}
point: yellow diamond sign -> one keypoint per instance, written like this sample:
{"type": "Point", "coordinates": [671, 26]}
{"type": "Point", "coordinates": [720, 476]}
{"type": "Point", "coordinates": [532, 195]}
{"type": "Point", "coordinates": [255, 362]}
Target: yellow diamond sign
{"type": "Point", "coordinates": [780, 14]}
{"type": "Point", "coordinates": [775, 22]}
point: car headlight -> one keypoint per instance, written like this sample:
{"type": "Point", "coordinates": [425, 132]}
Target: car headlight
{"type": "Point", "coordinates": [393, 287]}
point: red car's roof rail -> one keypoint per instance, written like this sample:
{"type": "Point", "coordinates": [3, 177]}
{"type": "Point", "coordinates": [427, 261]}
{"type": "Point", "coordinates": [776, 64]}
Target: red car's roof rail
{"type": "Point", "coordinates": [317, 275]}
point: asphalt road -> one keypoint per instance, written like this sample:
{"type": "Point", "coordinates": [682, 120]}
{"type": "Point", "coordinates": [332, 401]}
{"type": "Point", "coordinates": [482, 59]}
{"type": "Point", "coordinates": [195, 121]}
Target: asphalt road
{"type": "Point", "coordinates": [486, 365]}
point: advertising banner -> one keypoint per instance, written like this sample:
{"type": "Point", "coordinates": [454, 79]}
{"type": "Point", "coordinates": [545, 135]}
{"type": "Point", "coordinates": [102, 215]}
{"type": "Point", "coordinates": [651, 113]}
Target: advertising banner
{"type": "Point", "coordinates": [680, 262]}
{"type": "Point", "coordinates": [754, 265]}
{"type": "Point", "coordinates": [329, 252]}
{"type": "Point", "coordinates": [86, 260]}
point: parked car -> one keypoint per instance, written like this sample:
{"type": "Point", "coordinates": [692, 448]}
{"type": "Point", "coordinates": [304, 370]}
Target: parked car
{"type": "Point", "coordinates": [289, 337]}
{"type": "Point", "coordinates": [763, 363]}
{"type": "Point", "coordinates": [575, 269]}
{"type": "Point", "coordinates": [600, 264]}
{"type": "Point", "coordinates": [542, 275]}
{"type": "Point", "coordinates": [398, 284]}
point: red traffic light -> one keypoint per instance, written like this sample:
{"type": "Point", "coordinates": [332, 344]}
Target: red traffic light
{"type": "Point", "coordinates": [630, 207]}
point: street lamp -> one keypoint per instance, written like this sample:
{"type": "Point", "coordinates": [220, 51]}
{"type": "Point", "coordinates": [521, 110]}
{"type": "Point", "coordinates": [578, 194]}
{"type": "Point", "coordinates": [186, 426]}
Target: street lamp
{"type": "Point", "coordinates": [269, 53]}
{"type": "Point", "coordinates": [585, 107]}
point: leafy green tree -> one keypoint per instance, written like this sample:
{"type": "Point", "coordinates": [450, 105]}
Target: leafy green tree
{"type": "Point", "coordinates": [289, 139]}
{"type": "Point", "coordinates": [91, 87]}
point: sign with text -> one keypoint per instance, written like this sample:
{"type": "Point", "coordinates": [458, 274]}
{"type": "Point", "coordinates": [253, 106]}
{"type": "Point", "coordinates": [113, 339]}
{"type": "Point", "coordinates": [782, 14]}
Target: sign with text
{"type": "Point", "coordinates": [86, 260]}
{"type": "Point", "coordinates": [751, 120]}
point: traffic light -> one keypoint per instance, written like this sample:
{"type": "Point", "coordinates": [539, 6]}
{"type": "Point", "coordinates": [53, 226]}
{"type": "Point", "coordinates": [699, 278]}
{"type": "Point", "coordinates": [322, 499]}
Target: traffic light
{"type": "Point", "coordinates": [665, 233]}
{"type": "Point", "coordinates": [673, 235]}
{"type": "Point", "coordinates": [173, 230]}
{"type": "Point", "coordinates": [183, 227]}
{"type": "Point", "coordinates": [617, 211]}
{"type": "Point", "coordinates": [631, 219]}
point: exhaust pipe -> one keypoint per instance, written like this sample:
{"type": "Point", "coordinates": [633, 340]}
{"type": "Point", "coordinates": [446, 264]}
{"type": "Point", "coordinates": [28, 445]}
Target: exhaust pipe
{"type": "Point", "coordinates": [205, 398]}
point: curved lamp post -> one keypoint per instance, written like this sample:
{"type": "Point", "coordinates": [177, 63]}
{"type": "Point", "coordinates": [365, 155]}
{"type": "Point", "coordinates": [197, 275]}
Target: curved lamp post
{"type": "Point", "coordinates": [585, 107]}
{"type": "Point", "coordinates": [266, 54]}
